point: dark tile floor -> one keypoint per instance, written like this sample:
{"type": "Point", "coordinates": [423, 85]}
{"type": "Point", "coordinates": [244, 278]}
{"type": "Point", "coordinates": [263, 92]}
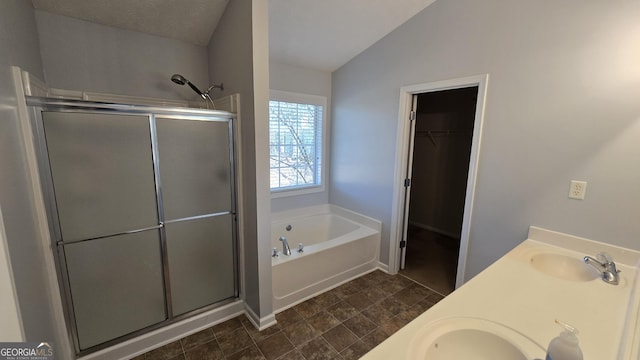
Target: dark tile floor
{"type": "Point", "coordinates": [343, 323]}
{"type": "Point", "coordinates": [432, 259]}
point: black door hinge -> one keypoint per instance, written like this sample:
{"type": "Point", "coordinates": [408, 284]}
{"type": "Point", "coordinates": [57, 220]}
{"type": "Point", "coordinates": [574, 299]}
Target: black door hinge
{"type": "Point", "coordinates": [407, 182]}
{"type": "Point", "coordinates": [403, 244]}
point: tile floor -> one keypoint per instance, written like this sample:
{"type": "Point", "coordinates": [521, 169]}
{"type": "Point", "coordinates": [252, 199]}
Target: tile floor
{"type": "Point", "coordinates": [432, 259]}
{"type": "Point", "coordinates": [343, 323]}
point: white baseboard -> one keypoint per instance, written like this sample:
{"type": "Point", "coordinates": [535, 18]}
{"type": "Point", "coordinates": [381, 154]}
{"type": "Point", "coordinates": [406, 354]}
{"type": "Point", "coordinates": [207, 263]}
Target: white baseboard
{"type": "Point", "coordinates": [384, 267]}
{"type": "Point", "coordinates": [258, 322]}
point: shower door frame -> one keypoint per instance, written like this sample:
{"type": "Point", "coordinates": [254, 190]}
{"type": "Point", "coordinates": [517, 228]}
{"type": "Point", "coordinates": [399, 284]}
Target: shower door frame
{"type": "Point", "coordinates": [36, 106]}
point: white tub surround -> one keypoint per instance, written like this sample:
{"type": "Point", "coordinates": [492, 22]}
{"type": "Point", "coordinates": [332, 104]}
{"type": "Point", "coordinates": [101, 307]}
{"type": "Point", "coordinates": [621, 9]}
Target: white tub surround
{"type": "Point", "coordinates": [339, 245]}
{"type": "Point", "coordinates": [525, 302]}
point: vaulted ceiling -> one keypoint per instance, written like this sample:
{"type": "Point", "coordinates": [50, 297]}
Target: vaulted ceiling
{"type": "Point", "coordinates": [318, 34]}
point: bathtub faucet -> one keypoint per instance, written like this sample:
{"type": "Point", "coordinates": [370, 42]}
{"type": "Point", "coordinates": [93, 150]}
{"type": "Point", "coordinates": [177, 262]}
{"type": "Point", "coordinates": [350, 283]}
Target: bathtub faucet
{"type": "Point", "coordinates": [285, 246]}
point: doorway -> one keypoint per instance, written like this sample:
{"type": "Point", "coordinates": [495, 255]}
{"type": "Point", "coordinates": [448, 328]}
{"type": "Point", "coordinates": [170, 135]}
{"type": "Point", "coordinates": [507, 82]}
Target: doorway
{"type": "Point", "coordinates": [402, 173]}
{"type": "Point", "coordinates": [438, 172]}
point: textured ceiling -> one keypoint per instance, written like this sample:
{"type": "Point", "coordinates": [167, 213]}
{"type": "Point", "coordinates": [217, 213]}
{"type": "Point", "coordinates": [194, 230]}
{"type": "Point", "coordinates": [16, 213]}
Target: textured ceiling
{"type": "Point", "coordinates": [192, 21]}
{"type": "Point", "coordinates": [318, 34]}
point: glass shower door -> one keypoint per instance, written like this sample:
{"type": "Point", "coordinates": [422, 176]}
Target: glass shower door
{"type": "Point", "coordinates": [102, 171]}
{"type": "Point", "coordinates": [196, 172]}
{"type": "Point", "coordinates": [103, 179]}
{"type": "Point", "coordinates": [116, 285]}
{"type": "Point", "coordinates": [141, 207]}
{"type": "Point", "coordinates": [201, 262]}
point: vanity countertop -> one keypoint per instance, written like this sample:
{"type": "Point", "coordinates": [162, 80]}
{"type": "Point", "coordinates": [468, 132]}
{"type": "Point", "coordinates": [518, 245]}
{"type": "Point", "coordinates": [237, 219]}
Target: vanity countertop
{"type": "Point", "coordinates": [513, 293]}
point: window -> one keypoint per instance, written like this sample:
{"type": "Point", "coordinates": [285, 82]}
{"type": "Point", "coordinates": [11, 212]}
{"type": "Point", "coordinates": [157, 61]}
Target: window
{"type": "Point", "coordinates": [296, 133]}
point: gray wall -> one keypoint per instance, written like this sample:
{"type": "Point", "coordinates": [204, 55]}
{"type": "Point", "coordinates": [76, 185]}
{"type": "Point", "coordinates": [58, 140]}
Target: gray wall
{"type": "Point", "coordinates": [232, 60]}
{"type": "Point", "coordinates": [79, 55]}
{"type": "Point", "coordinates": [19, 47]}
{"type": "Point", "coordinates": [285, 77]}
{"type": "Point", "coordinates": [562, 104]}
{"type": "Point", "coordinates": [19, 37]}
{"type": "Point", "coordinates": [20, 220]}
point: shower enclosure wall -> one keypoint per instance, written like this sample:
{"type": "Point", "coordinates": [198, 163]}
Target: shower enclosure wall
{"type": "Point", "coordinates": [141, 208]}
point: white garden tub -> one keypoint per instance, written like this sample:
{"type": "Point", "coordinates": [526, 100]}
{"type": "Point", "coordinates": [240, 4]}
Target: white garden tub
{"type": "Point", "coordinates": [339, 245]}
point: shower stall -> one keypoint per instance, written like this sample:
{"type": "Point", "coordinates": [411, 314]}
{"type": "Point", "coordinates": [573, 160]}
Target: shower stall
{"type": "Point", "coordinates": [141, 208]}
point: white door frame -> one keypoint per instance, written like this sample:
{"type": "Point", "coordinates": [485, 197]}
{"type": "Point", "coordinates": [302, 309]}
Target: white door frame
{"type": "Point", "coordinates": [402, 161]}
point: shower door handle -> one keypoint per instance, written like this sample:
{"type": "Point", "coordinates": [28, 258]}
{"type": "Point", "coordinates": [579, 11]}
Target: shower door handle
{"type": "Point", "coordinates": [155, 227]}
{"type": "Point", "coordinates": [159, 226]}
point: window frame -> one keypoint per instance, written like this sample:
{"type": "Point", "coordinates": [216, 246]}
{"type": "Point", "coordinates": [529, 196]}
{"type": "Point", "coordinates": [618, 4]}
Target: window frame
{"type": "Point", "coordinates": [299, 98]}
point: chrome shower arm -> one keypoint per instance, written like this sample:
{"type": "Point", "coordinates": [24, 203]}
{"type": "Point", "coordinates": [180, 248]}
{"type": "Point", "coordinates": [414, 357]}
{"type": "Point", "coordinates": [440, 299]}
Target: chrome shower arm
{"type": "Point", "coordinates": [215, 86]}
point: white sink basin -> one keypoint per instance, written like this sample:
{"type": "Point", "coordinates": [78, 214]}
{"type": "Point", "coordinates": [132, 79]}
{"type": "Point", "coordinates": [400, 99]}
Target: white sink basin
{"type": "Point", "coordinates": [563, 267]}
{"type": "Point", "coordinates": [472, 344]}
{"type": "Point", "coordinates": [464, 338]}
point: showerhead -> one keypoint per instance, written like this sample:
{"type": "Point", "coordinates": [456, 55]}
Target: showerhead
{"type": "Point", "coordinates": [181, 80]}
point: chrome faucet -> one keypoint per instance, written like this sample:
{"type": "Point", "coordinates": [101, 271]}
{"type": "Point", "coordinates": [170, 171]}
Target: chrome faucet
{"type": "Point", "coordinates": [285, 246]}
{"type": "Point", "coordinates": [604, 263]}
